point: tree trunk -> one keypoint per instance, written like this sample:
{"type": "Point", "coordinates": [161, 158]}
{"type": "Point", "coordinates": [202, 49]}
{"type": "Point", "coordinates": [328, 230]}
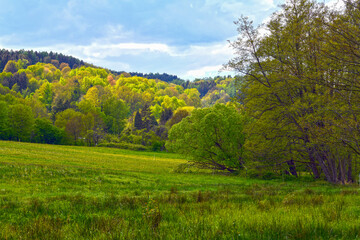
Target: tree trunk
{"type": "Point", "coordinates": [341, 171]}
{"type": "Point", "coordinates": [292, 168]}
{"type": "Point", "coordinates": [349, 172]}
{"type": "Point", "coordinates": [325, 170]}
{"type": "Point", "coordinates": [313, 164]}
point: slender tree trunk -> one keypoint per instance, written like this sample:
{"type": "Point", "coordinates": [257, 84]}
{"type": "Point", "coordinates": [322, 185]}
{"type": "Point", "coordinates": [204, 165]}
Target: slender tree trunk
{"type": "Point", "coordinates": [292, 167]}
{"type": "Point", "coordinates": [349, 171]}
{"type": "Point", "coordinates": [325, 170]}
{"type": "Point", "coordinates": [341, 171]}
{"type": "Point", "coordinates": [313, 164]}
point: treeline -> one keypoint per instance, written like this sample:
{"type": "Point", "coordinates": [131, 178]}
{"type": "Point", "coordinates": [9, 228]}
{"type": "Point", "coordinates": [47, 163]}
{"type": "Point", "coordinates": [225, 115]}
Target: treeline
{"type": "Point", "coordinates": [34, 57]}
{"type": "Point", "coordinates": [208, 85]}
{"type": "Point", "coordinates": [163, 77]}
{"type": "Point", "coordinates": [55, 104]}
{"type": "Point", "coordinates": [30, 57]}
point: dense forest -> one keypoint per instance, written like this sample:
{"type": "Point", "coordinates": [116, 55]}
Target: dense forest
{"type": "Point", "coordinates": [84, 105]}
{"type": "Point", "coordinates": [34, 57]}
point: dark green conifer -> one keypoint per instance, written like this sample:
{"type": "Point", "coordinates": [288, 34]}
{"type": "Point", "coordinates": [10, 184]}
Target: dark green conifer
{"type": "Point", "coordinates": [138, 123]}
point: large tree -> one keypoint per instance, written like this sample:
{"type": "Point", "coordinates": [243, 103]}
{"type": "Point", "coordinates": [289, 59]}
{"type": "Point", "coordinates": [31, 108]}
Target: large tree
{"type": "Point", "coordinates": [211, 137]}
{"type": "Point", "coordinates": [297, 91]}
{"type": "Point", "coordinates": [4, 122]}
{"type": "Point", "coordinates": [46, 132]}
{"type": "Point", "coordinates": [21, 121]}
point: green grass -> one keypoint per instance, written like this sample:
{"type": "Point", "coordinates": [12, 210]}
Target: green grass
{"type": "Point", "coordinates": [63, 192]}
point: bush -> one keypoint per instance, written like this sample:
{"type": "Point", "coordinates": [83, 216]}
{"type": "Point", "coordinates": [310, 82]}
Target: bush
{"type": "Point", "coordinates": [124, 145]}
{"type": "Point", "coordinates": [261, 174]}
{"type": "Point", "coordinates": [158, 146]}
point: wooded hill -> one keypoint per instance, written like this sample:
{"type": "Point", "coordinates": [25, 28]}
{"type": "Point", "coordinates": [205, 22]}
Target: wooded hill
{"type": "Point", "coordinates": [85, 105]}
{"type": "Point", "coordinates": [56, 59]}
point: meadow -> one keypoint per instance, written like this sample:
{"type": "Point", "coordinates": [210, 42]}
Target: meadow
{"type": "Point", "coordinates": [67, 192]}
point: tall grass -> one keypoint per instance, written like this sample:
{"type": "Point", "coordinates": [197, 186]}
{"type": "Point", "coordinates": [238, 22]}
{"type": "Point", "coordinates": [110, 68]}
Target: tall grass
{"type": "Point", "coordinates": [59, 192]}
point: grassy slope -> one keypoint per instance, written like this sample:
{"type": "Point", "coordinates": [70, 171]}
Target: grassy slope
{"type": "Point", "coordinates": [56, 192]}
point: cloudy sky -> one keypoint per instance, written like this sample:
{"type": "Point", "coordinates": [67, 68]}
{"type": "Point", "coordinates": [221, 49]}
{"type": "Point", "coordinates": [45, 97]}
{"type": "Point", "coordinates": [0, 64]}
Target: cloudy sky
{"type": "Point", "coordinates": [182, 37]}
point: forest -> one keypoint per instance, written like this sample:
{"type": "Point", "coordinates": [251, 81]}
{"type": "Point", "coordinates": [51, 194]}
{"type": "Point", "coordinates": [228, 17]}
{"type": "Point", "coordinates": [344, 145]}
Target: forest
{"type": "Point", "coordinates": [293, 108]}
{"type": "Point", "coordinates": [55, 104]}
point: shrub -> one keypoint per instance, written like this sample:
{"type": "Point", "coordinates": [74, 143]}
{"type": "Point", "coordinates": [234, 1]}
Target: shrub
{"type": "Point", "coordinates": [157, 146]}
{"type": "Point", "coordinates": [152, 214]}
{"type": "Point", "coordinates": [124, 145]}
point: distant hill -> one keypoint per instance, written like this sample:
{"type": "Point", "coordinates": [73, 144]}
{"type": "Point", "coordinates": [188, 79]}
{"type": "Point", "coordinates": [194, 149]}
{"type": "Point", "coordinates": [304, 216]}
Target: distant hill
{"type": "Point", "coordinates": [163, 77]}
{"type": "Point", "coordinates": [204, 86]}
{"type": "Point", "coordinates": [34, 57]}
{"type": "Point", "coordinates": [50, 57]}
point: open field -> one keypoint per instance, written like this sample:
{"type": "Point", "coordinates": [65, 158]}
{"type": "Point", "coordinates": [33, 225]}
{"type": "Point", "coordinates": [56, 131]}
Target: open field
{"type": "Point", "coordinates": [62, 192]}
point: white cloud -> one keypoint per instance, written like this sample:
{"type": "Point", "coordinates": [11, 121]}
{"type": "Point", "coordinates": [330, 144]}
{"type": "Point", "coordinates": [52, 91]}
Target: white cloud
{"type": "Point", "coordinates": [267, 4]}
{"type": "Point", "coordinates": [237, 8]}
{"type": "Point", "coordinates": [70, 18]}
{"type": "Point", "coordinates": [203, 71]}
{"type": "Point", "coordinates": [232, 7]}
{"type": "Point", "coordinates": [206, 71]}
{"type": "Point", "coordinates": [4, 40]}
{"type": "Point", "coordinates": [106, 50]}
{"type": "Point", "coordinates": [97, 49]}
{"type": "Point", "coordinates": [103, 51]}
{"type": "Point", "coordinates": [215, 49]}
{"type": "Point", "coordinates": [335, 4]}
{"type": "Point", "coordinates": [112, 65]}
{"type": "Point", "coordinates": [114, 33]}
{"type": "Point", "coordinates": [188, 62]}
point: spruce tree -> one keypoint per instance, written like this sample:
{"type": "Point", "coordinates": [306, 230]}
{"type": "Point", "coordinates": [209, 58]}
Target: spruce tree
{"type": "Point", "coordinates": [138, 123]}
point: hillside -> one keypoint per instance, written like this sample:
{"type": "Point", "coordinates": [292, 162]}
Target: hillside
{"type": "Point", "coordinates": [86, 105]}
{"type": "Point", "coordinates": [34, 57]}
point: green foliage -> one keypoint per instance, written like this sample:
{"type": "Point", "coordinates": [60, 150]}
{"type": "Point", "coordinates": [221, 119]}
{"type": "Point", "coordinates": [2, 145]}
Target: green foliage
{"type": "Point", "coordinates": [124, 145]}
{"type": "Point", "coordinates": [4, 121]}
{"type": "Point", "coordinates": [156, 111]}
{"type": "Point", "coordinates": [21, 64]}
{"type": "Point", "coordinates": [46, 132]}
{"type": "Point", "coordinates": [157, 146]}
{"type": "Point", "coordinates": [107, 193]}
{"type": "Point", "coordinates": [222, 93]}
{"type": "Point", "coordinates": [11, 67]}
{"type": "Point", "coordinates": [212, 137]}
{"type": "Point", "coordinates": [46, 95]}
{"type": "Point", "coordinates": [152, 214]}
{"type": "Point", "coordinates": [298, 85]}
{"type": "Point", "coordinates": [179, 115]}
{"type": "Point", "coordinates": [88, 103]}
{"type": "Point", "coordinates": [172, 103]}
{"type": "Point", "coordinates": [21, 121]}
{"type": "Point", "coordinates": [148, 119]}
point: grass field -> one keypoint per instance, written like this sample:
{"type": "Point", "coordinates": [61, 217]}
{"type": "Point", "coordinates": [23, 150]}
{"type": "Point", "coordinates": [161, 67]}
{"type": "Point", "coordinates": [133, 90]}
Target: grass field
{"type": "Point", "coordinates": [63, 192]}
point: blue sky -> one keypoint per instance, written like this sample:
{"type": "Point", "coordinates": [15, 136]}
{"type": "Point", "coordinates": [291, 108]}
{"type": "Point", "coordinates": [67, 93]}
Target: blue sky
{"type": "Point", "coordinates": [182, 37]}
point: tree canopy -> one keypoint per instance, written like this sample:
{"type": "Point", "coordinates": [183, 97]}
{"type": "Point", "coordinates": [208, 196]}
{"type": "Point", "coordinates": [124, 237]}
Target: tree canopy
{"type": "Point", "coordinates": [300, 84]}
{"type": "Point", "coordinates": [211, 137]}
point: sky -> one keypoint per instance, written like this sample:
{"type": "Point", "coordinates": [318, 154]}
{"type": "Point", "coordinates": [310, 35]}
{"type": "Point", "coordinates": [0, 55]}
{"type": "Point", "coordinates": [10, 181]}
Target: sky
{"type": "Point", "coordinates": [181, 37]}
